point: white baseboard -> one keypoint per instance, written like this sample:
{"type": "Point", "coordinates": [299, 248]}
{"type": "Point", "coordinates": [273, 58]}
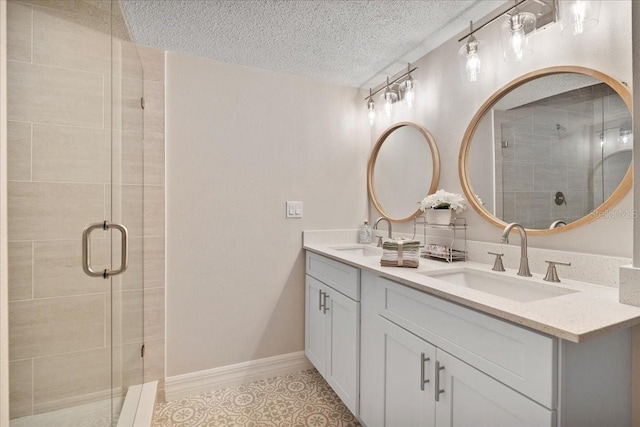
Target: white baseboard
{"type": "Point", "coordinates": [208, 380]}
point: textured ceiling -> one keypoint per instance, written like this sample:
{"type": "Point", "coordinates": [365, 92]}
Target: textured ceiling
{"type": "Point", "coordinates": [353, 43]}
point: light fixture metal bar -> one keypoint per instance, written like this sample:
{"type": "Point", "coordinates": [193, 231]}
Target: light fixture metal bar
{"type": "Point", "coordinates": [491, 20]}
{"type": "Point", "coordinates": [546, 11]}
{"type": "Point", "coordinates": [392, 80]}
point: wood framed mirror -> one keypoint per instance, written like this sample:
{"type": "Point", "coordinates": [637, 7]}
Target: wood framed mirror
{"type": "Point", "coordinates": [403, 168]}
{"type": "Point", "coordinates": [550, 150]}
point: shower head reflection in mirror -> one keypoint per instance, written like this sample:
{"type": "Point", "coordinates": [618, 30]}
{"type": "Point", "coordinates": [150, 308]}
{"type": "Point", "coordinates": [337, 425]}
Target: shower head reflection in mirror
{"type": "Point", "coordinates": [564, 127]}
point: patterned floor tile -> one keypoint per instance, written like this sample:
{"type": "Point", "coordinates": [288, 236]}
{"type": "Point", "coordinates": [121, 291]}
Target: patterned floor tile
{"type": "Point", "coordinates": [303, 399]}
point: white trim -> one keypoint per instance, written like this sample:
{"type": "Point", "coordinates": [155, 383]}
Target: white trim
{"type": "Point", "coordinates": [147, 405]}
{"type": "Point", "coordinates": [208, 380]}
{"type": "Point", "coordinates": [129, 407]}
{"type": "Point", "coordinates": [139, 405]}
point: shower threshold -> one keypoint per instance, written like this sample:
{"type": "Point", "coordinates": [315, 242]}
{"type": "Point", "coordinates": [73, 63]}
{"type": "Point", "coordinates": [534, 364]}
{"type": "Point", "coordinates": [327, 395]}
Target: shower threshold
{"type": "Point", "coordinates": [139, 405]}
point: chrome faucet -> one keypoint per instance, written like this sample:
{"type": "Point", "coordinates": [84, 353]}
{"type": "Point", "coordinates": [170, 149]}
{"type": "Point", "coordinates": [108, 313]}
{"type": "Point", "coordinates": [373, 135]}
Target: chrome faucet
{"type": "Point", "coordinates": [383, 218]}
{"type": "Point", "coordinates": [524, 260]}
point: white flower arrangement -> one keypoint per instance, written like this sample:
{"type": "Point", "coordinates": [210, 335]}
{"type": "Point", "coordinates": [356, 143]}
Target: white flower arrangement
{"type": "Point", "coordinates": [444, 200]}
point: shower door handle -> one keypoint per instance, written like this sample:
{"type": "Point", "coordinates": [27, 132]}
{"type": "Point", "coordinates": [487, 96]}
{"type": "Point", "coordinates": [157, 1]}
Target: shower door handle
{"type": "Point", "coordinates": [86, 253]}
{"type": "Point", "coordinates": [124, 249]}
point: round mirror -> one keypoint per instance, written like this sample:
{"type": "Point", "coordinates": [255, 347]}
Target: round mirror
{"type": "Point", "coordinates": [404, 167]}
{"type": "Point", "coordinates": [551, 150]}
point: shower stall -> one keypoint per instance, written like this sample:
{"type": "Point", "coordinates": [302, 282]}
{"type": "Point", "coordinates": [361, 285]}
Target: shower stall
{"type": "Point", "coordinates": [561, 157]}
{"type": "Point", "coordinates": [75, 110]}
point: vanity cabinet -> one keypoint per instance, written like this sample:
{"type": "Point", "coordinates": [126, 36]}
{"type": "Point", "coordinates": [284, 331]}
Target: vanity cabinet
{"type": "Point", "coordinates": [488, 372]}
{"type": "Point", "coordinates": [426, 387]}
{"type": "Point", "coordinates": [332, 325]}
{"type": "Point", "coordinates": [398, 357]}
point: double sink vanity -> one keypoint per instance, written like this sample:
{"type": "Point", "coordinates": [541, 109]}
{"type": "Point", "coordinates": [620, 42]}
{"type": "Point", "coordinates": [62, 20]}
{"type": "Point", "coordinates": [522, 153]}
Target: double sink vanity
{"type": "Point", "coordinates": [461, 345]}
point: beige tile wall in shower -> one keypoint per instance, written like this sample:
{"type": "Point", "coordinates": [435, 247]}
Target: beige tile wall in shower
{"type": "Point", "coordinates": [59, 153]}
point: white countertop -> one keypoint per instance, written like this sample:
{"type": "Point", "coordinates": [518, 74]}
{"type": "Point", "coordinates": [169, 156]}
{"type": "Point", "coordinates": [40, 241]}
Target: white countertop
{"type": "Point", "coordinates": [576, 317]}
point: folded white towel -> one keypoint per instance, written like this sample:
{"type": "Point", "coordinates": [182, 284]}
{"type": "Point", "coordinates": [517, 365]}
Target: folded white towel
{"type": "Point", "coordinates": [400, 253]}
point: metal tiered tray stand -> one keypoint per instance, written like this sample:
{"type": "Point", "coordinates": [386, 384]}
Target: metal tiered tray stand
{"type": "Point", "coordinates": [449, 236]}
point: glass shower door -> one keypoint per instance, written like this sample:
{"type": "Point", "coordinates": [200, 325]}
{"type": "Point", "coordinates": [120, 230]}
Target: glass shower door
{"type": "Point", "coordinates": [127, 208]}
{"type": "Point", "coordinates": [75, 158]}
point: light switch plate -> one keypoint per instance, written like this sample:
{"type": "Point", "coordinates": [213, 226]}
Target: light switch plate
{"type": "Point", "coordinates": [294, 209]}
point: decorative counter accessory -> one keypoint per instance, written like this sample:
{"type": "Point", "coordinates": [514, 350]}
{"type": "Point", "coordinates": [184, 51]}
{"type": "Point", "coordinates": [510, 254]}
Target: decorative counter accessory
{"type": "Point", "coordinates": [439, 206]}
{"type": "Point", "coordinates": [443, 241]}
{"type": "Point", "coordinates": [364, 233]}
{"type": "Point", "coordinates": [400, 253]}
{"type": "Point", "coordinates": [437, 250]}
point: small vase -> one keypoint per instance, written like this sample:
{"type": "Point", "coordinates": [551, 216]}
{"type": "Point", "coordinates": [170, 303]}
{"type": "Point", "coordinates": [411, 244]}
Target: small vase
{"type": "Point", "coordinates": [438, 216]}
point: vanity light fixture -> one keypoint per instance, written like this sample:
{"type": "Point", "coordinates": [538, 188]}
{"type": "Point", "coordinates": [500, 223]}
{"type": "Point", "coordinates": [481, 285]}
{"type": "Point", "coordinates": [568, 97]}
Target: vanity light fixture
{"type": "Point", "coordinates": [399, 87]}
{"type": "Point", "coordinates": [579, 16]}
{"type": "Point", "coordinates": [469, 58]}
{"type": "Point", "coordinates": [371, 106]}
{"type": "Point", "coordinates": [390, 96]}
{"type": "Point", "coordinates": [409, 84]}
{"type": "Point", "coordinates": [524, 17]}
{"type": "Point", "coordinates": [515, 32]}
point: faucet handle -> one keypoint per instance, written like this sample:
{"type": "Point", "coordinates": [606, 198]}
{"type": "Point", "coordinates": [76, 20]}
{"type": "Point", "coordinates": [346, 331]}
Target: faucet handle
{"type": "Point", "coordinates": [552, 273]}
{"type": "Point", "coordinates": [380, 241]}
{"type": "Point", "coordinates": [497, 265]}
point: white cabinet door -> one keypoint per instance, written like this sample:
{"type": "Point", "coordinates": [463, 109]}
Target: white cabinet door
{"type": "Point", "coordinates": [409, 393]}
{"type": "Point", "coordinates": [315, 336]}
{"type": "Point", "coordinates": [342, 356]}
{"type": "Point", "coordinates": [472, 398]}
{"type": "Point", "coordinates": [332, 338]}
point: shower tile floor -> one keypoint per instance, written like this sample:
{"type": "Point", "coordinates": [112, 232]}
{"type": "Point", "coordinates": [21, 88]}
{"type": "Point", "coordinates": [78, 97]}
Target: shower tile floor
{"type": "Point", "coordinates": [303, 399]}
{"type": "Point", "coordinates": [96, 414]}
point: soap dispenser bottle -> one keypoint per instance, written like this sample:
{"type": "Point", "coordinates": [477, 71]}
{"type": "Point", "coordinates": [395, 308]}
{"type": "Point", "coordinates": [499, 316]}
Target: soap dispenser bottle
{"type": "Point", "coordinates": [365, 234]}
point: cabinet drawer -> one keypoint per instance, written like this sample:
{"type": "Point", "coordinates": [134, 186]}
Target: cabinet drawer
{"type": "Point", "coordinates": [520, 358]}
{"type": "Point", "coordinates": [341, 277]}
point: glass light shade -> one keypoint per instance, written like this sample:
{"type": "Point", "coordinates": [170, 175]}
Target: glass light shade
{"type": "Point", "coordinates": [388, 106]}
{"type": "Point", "coordinates": [470, 63]}
{"type": "Point", "coordinates": [409, 91]}
{"type": "Point", "coordinates": [515, 34]}
{"type": "Point", "coordinates": [371, 106]}
{"type": "Point", "coordinates": [579, 16]}
{"type": "Point", "coordinates": [389, 96]}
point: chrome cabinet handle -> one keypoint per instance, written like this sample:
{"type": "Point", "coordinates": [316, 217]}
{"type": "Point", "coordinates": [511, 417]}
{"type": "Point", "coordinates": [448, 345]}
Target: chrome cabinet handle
{"type": "Point", "coordinates": [438, 390]}
{"type": "Point", "coordinates": [325, 306]}
{"type": "Point", "coordinates": [423, 360]}
{"type": "Point", "coordinates": [320, 300]}
{"type": "Point", "coordinates": [86, 252]}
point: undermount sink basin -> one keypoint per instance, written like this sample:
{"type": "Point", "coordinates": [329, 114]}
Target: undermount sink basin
{"type": "Point", "coordinates": [365, 251]}
{"type": "Point", "coordinates": [513, 288]}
